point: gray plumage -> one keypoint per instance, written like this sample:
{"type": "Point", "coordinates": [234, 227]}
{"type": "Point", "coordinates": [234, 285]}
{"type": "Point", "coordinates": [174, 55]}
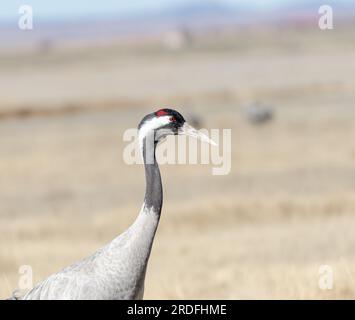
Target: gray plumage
{"type": "Point", "coordinates": [114, 272]}
{"type": "Point", "coordinates": [117, 271]}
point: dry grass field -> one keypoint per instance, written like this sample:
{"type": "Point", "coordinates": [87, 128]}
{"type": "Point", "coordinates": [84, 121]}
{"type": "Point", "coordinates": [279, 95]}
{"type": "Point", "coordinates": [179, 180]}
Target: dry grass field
{"type": "Point", "coordinates": [261, 232]}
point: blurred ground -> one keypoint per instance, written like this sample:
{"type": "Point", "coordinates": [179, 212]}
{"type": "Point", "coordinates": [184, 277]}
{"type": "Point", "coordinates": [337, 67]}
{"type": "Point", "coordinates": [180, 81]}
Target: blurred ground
{"type": "Point", "coordinates": [261, 232]}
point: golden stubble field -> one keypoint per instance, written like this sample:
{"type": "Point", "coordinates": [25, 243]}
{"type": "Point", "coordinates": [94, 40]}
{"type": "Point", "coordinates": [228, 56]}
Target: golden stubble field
{"type": "Point", "coordinates": [263, 231]}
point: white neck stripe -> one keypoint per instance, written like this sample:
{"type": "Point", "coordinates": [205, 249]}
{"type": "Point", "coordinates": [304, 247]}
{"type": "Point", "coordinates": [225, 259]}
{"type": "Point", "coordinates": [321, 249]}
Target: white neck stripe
{"type": "Point", "coordinates": [149, 126]}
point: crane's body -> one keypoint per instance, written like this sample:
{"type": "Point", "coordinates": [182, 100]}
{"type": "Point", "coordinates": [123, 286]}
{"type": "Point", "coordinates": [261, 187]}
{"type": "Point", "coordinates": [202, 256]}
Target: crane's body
{"type": "Point", "coordinates": [114, 272]}
{"type": "Point", "coordinates": [117, 271]}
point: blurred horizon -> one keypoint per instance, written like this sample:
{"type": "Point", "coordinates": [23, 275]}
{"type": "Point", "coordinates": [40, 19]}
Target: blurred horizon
{"type": "Point", "coordinates": [122, 9]}
{"type": "Point", "coordinates": [93, 22]}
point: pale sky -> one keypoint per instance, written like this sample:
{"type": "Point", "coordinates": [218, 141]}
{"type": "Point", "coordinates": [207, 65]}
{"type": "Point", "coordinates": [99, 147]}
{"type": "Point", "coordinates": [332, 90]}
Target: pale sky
{"type": "Point", "coordinates": [56, 9]}
{"type": "Point", "coordinates": [49, 9]}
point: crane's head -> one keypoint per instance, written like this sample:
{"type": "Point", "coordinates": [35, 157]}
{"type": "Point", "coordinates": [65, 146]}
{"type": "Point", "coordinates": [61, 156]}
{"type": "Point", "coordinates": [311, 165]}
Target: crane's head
{"type": "Point", "coordinates": [158, 125]}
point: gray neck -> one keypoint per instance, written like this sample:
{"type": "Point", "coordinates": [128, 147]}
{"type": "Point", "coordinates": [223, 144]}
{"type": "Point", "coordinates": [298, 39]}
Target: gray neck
{"type": "Point", "coordinates": [154, 190]}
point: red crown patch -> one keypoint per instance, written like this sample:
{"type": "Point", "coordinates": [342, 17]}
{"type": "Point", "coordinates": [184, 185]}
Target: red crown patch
{"type": "Point", "coordinates": [161, 113]}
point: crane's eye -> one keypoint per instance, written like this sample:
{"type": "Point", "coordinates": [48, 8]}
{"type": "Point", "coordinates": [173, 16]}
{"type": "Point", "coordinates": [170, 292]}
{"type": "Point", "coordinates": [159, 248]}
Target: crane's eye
{"type": "Point", "coordinates": [172, 119]}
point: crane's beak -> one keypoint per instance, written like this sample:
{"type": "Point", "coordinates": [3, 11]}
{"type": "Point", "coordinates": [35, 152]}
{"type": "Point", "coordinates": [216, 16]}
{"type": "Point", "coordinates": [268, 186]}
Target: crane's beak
{"type": "Point", "coordinates": [186, 129]}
